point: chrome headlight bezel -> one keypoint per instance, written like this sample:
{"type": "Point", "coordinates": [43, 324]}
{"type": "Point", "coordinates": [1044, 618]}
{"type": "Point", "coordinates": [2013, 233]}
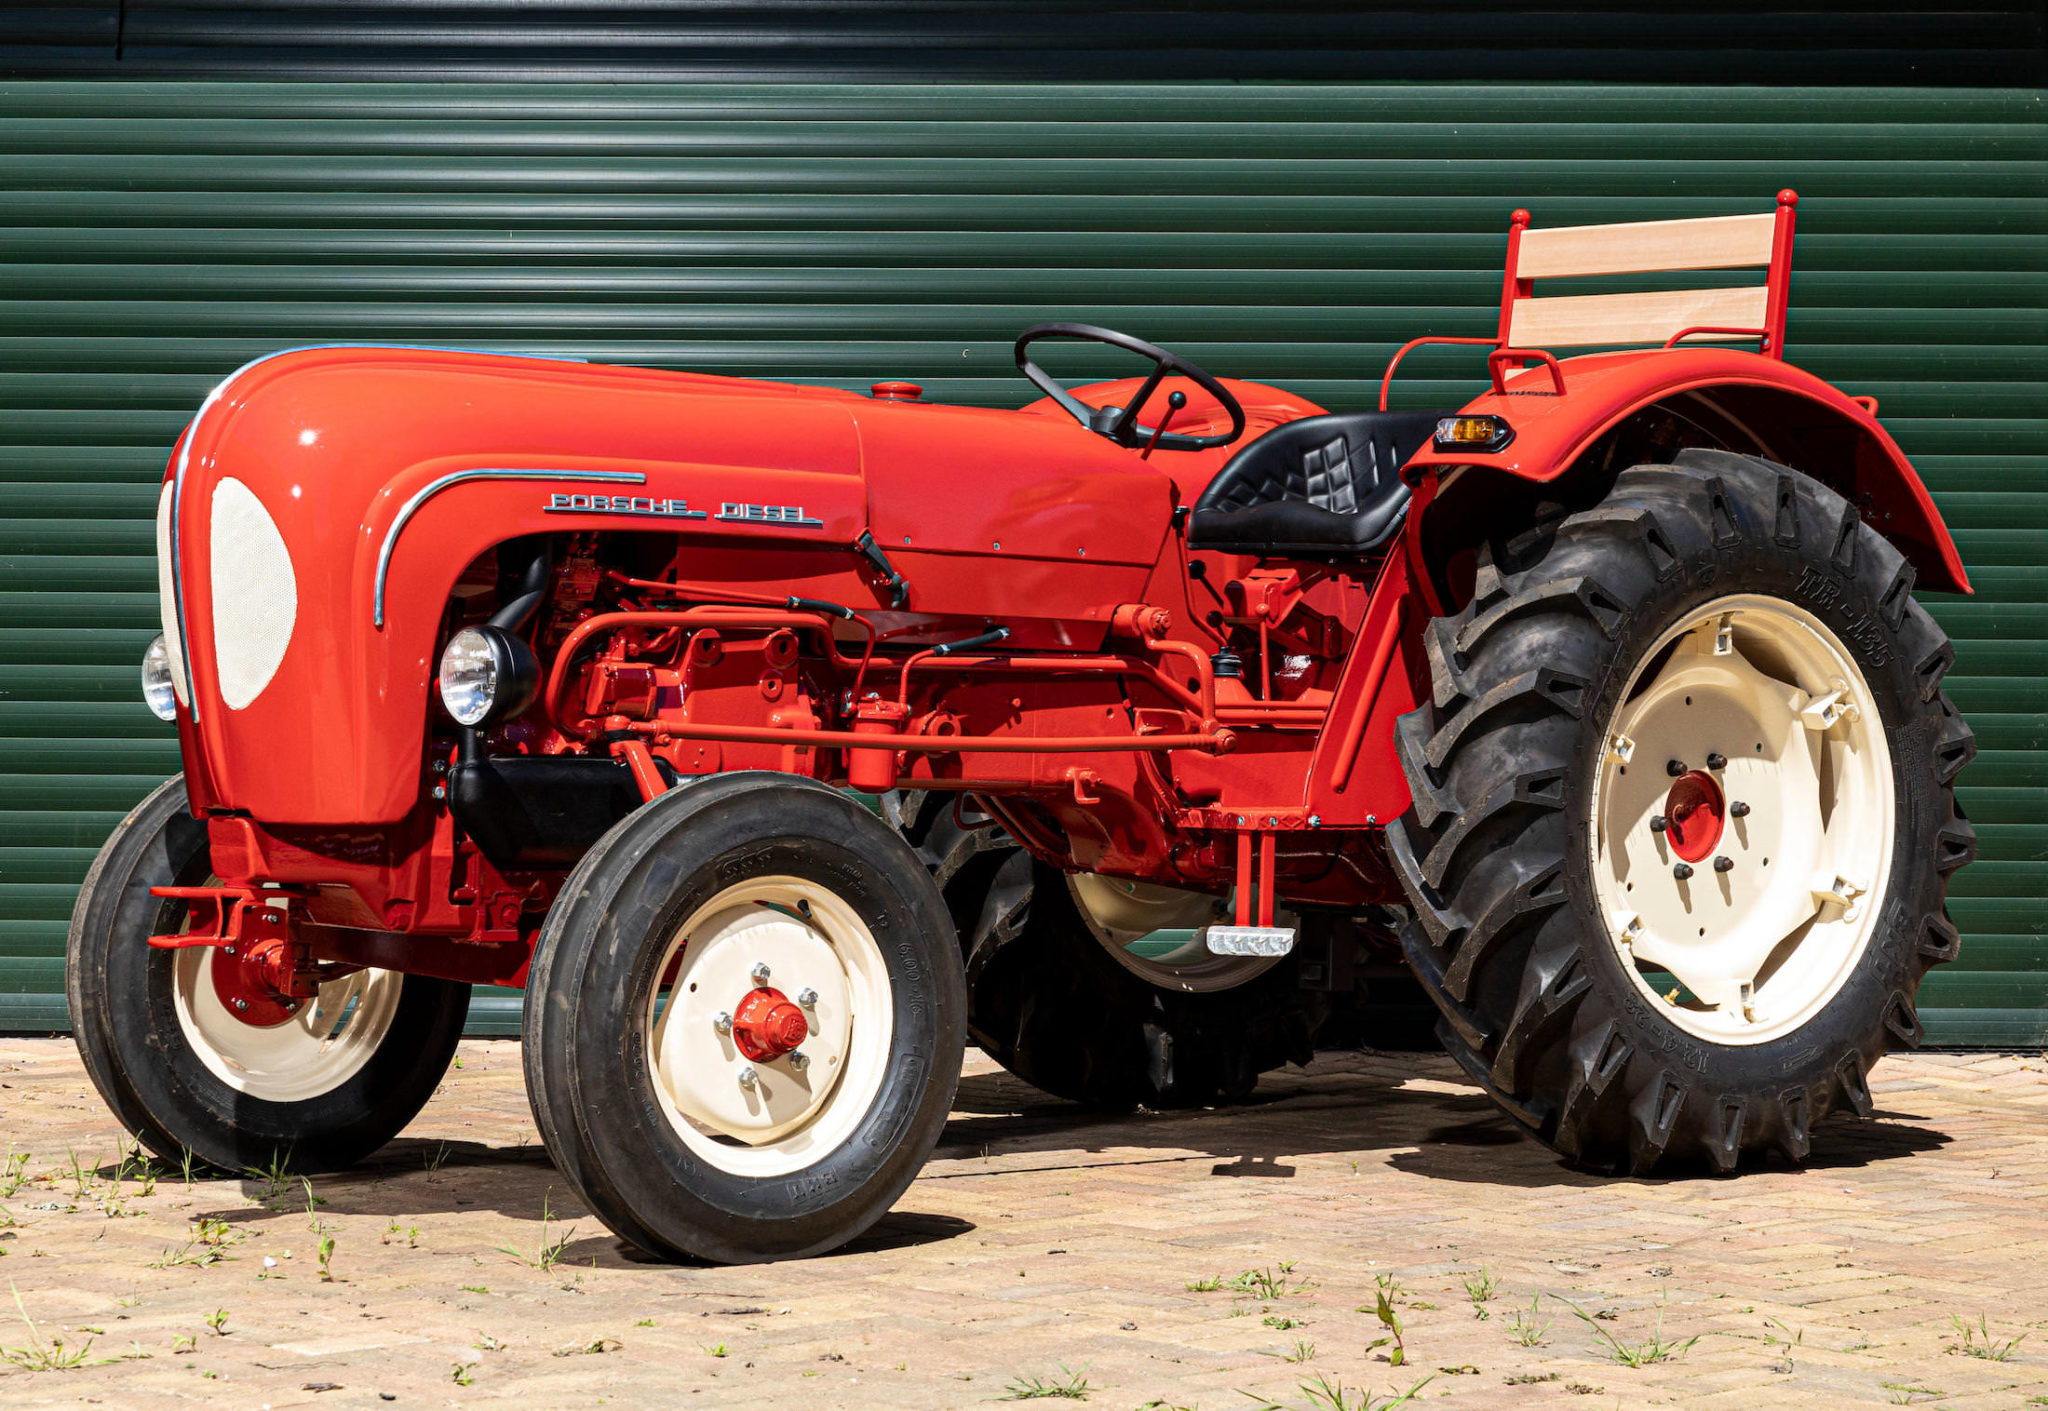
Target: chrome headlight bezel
{"type": "Point", "coordinates": [159, 692]}
{"type": "Point", "coordinates": [486, 675]}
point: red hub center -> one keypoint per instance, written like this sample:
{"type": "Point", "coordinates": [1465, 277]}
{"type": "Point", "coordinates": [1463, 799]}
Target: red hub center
{"type": "Point", "coordinates": [250, 980]}
{"type": "Point", "coordinates": [765, 1025]}
{"type": "Point", "coordinates": [1693, 815]}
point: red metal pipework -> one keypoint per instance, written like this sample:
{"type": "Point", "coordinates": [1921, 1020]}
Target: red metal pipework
{"type": "Point", "coordinates": [766, 1025]}
{"type": "Point", "coordinates": [1387, 378]}
{"type": "Point", "coordinates": [1218, 740]}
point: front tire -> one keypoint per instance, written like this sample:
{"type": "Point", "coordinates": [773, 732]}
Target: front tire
{"type": "Point", "coordinates": [319, 1090]}
{"type": "Point", "coordinates": [1655, 726]}
{"type": "Point", "coordinates": [744, 1021]}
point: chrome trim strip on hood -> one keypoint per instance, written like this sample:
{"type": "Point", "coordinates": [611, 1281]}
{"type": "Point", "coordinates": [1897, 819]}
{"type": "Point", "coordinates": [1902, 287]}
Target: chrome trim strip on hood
{"type": "Point", "coordinates": [601, 477]}
{"type": "Point", "coordinates": [185, 455]}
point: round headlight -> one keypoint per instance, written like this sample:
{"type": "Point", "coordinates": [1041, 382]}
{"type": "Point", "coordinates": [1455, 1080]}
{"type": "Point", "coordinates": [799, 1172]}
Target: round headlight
{"type": "Point", "coordinates": [157, 692]}
{"type": "Point", "coordinates": [487, 674]}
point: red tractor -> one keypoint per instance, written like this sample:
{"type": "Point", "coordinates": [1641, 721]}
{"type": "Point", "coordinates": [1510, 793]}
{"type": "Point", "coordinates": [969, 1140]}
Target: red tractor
{"type": "Point", "coordinates": [1602, 707]}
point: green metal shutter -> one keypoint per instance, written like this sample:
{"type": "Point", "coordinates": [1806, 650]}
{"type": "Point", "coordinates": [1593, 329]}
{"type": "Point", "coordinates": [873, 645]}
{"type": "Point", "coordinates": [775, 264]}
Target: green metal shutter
{"type": "Point", "coordinates": [155, 236]}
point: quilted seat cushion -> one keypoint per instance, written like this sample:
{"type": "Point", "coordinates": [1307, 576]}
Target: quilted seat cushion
{"type": "Point", "coordinates": [1321, 485]}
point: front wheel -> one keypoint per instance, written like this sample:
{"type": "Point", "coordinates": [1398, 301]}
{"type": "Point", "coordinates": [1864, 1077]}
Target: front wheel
{"type": "Point", "coordinates": [192, 1055]}
{"type": "Point", "coordinates": [744, 1021]}
{"type": "Point", "coordinates": [1684, 816]}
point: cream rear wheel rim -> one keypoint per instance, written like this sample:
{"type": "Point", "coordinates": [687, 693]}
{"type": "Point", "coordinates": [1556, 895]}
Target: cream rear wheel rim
{"type": "Point", "coordinates": [1778, 911]}
{"type": "Point", "coordinates": [319, 1048]}
{"type": "Point", "coordinates": [788, 1116]}
{"type": "Point", "coordinates": [1123, 914]}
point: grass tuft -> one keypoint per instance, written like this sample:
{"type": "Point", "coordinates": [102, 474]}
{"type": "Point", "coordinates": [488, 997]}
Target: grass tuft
{"type": "Point", "coordinates": [548, 1253]}
{"type": "Point", "coordinates": [1070, 1386]}
{"type": "Point", "coordinates": [1978, 1342]}
{"type": "Point", "coordinates": [1641, 1354]}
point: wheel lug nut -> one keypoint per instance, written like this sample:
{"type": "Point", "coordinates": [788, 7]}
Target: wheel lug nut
{"type": "Point", "coordinates": [1724, 864]}
{"type": "Point", "coordinates": [722, 1022]}
{"type": "Point", "coordinates": [1717, 761]}
{"type": "Point", "coordinates": [1681, 870]}
{"type": "Point", "coordinates": [807, 997]}
{"type": "Point", "coordinates": [1739, 809]}
{"type": "Point", "coordinates": [1658, 823]}
{"type": "Point", "coordinates": [760, 972]}
{"type": "Point", "coordinates": [799, 1061]}
{"type": "Point", "coordinates": [749, 1079]}
{"type": "Point", "coordinates": [1674, 767]}
{"type": "Point", "coordinates": [241, 1004]}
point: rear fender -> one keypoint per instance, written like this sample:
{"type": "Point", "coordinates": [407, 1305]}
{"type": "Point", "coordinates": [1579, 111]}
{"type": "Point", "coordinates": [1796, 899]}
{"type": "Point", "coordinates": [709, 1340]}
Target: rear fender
{"type": "Point", "coordinates": [1619, 408]}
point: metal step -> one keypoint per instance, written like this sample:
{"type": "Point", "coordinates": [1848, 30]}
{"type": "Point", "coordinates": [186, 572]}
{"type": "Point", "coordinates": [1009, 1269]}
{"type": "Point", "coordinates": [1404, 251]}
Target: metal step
{"type": "Point", "coordinates": [1248, 940]}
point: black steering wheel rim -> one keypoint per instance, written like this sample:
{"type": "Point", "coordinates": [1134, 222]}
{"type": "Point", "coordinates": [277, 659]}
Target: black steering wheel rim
{"type": "Point", "coordinates": [1120, 424]}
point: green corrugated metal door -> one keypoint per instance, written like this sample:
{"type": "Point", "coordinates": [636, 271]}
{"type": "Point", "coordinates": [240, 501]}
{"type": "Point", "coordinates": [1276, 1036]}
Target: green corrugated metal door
{"type": "Point", "coordinates": [155, 236]}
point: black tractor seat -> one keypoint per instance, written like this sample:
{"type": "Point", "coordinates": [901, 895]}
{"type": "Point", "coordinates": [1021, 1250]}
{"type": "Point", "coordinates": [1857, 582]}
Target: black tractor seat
{"type": "Point", "coordinates": [1320, 487]}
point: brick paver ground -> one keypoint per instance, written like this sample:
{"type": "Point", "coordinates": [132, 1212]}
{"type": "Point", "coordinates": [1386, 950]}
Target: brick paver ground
{"type": "Point", "coordinates": [1042, 1237]}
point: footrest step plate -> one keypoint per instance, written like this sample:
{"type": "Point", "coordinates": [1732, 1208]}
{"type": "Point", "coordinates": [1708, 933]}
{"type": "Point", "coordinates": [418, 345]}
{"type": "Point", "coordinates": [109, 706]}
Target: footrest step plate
{"type": "Point", "coordinates": [1248, 940]}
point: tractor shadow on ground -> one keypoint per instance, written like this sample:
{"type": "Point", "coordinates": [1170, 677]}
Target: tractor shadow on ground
{"type": "Point", "coordinates": [411, 1178]}
{"type": "Point", "coordinates": [1413, 1113]}
{"type": "Point", "coordinates": [899, 1229]}
{"type": "Point", "coordinates": [1368, 1104]}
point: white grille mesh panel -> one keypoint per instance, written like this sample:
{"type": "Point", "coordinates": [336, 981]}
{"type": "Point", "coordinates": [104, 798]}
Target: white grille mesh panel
{"type": "Point", "coordinates": [167, 597]}
{"type": "Point", "coordinates": [255, 594]}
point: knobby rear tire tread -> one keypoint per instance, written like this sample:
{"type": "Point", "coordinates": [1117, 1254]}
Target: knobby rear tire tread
{"type": "Point", "coordinates": [1495, 855]}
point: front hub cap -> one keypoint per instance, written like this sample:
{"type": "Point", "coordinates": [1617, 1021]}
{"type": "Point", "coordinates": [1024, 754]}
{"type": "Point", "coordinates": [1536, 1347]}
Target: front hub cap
{"type": "Point", "coordinates": [725, 1059]}
{"type": "Point", "coordinates": [1740, 896]}
{"type": "Point", "coordinates": [766, 1025]}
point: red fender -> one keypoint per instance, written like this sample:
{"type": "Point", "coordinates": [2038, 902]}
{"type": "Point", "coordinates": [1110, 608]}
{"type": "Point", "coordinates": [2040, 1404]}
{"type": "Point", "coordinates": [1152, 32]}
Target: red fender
{"type": "Point", "coordinates": [1791, 416]}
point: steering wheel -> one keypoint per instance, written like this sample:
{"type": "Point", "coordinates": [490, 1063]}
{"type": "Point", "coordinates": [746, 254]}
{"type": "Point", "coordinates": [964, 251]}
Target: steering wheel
{"type": "Point", "coordinates": [1120, 424]}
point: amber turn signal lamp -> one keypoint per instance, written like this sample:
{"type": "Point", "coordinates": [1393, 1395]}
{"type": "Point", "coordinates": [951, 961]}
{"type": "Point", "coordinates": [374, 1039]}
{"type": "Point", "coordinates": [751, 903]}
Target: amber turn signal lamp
{"type": "Point", "coordinates": [1473, 433]}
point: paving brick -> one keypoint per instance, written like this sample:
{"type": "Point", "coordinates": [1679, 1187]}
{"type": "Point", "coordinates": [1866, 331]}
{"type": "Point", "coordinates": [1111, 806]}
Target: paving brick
{"type": "Point", "coordinates": [1362, 1166]}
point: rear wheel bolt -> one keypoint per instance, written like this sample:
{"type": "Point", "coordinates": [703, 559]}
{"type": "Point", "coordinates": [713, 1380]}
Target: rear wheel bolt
{"type": "Point", "coordinates": [1724, 864]}
{"type": "Point", "coordinates": [241, 1004]}
{"type": "Point", "coordinates": [1717, 761]}
{"type": "Point", "coordinates": [1658, 823]}
{"type": "Point", "coordinates": [749, 1078]}
{"type": "Point", "coordinates": [1681, 870]}
{"type": "Point", "coordinates": [799, 1061]}
{"type": "Point", "coordinates": [722, 1022]}
{"type": "Point", "coordinates": [1739, 809]}
{"type": "Point", "coordinates": [1674, 767]}
{"type": "Point", "coordinates": [808, 998]}
{"type": "Point", "coordinates": [760, 972]}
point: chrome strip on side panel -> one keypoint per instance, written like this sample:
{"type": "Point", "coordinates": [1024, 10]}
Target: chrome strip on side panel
{"type": "Point", "coordinates": [185, 455]}
{"type": "Point", "coordinates": [602, 477]}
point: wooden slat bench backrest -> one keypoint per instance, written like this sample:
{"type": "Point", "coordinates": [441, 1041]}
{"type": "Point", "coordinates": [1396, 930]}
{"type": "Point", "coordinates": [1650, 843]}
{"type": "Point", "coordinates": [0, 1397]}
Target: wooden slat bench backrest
{"type": "Point", "coordinates": [1714, 242]}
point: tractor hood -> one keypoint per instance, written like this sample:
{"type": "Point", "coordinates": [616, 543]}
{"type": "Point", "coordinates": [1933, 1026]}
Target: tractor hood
{"type": "Point", "coordinates": [322, 504]}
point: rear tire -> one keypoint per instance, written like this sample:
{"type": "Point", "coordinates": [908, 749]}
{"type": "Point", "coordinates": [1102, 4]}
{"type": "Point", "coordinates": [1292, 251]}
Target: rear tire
{"type": "Point", "coordinates": [1517, 856]}
{"type": "Point", "coordinates": [637, 1013]}
{"type": "Point", "coordinates": [1048, 999]}
{"type": "Point", "coordinates": [180, 1074]}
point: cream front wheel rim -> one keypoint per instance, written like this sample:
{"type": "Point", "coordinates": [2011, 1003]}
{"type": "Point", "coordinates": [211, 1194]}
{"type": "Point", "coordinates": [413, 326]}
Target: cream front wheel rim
{"type": "Point", "coordinates": [1750, 740]}
{"type": "Point", "coordinates": [324, 1044]}
{"type": "Point", "coordinates": [769, 1117]}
